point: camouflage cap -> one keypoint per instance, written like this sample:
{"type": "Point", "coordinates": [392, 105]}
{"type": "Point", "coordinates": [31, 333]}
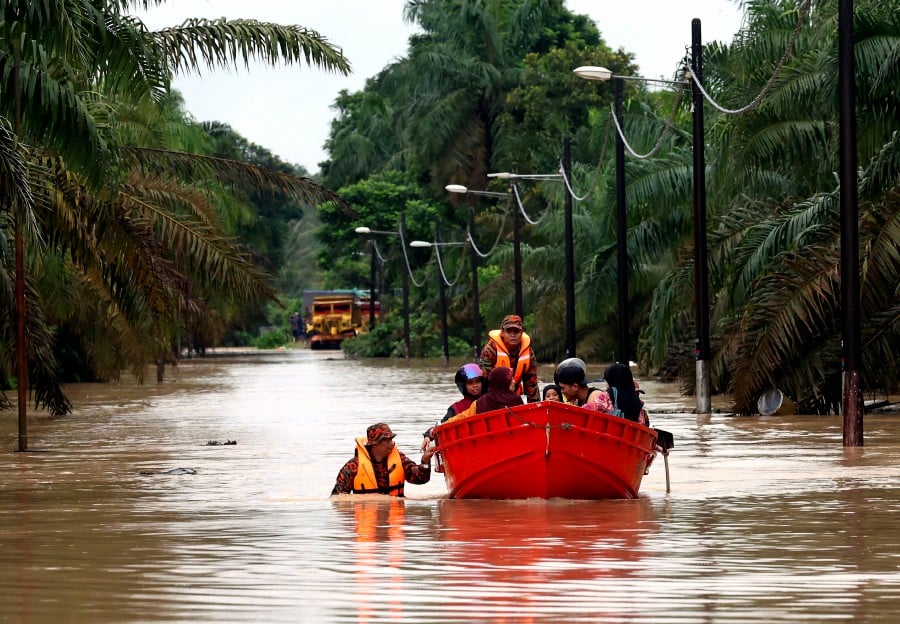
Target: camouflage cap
{"type": "Point", "coordinates": [511, 320]}
{"type": "Point", "coordinates": [378, 432]}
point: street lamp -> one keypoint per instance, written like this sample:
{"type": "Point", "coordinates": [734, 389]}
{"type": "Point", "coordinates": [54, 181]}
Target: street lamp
{"type": "Point", "coordinates": [476, 304]}
{"type": "Point", "coordinates": [701, 275]}
{"type": "Point", "coordinates": [701, 291]}
{"type": "Point", "coordinates": [372, 276]}
{"type": "Point", "coordinates": [402, 234]}
{"type": "Point", "coordinates": [442, 285]}
{"type": "Point", "coordinates": [570, 245]}
{"type": "Point", "coordinates": [603, 74]}
{"type": "Point", "coordinates": [851, 341]}
{"type": "Point", "coordinates": [517, 235]}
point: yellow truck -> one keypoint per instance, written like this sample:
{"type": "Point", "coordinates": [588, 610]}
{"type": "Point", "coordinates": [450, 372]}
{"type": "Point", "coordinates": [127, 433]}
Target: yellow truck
{"type": "Point", "coordinates": [334, 316]}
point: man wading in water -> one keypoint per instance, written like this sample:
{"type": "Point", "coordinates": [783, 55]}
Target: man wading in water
{"type": "Point", "coordinates": [379, 468]}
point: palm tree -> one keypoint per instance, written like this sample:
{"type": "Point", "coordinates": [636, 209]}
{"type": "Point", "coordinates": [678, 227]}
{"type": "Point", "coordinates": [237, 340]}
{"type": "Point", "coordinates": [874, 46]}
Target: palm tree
{"type": "Point", "coordinates": [774, 241]}
{"type": "Point", "coordinates": [122, 214]}
{"type": "Point", "coordinates": [449, 92]}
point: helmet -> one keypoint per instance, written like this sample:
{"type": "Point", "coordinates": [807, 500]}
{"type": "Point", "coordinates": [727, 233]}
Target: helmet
{"type": "Point", "coordinates": [466, 373]}
{"type": "Point", "coordinates": [571, 371]}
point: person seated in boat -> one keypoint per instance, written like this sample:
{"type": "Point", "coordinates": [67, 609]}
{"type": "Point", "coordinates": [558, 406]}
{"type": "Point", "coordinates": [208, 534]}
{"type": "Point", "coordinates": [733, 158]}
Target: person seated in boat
{"type": "Point", "coordinates": [552, 392]}
{"type": "Point", "coordinates": [378, 467]}
{"type": "Point", "coordinates": [619, 399]}
{"type": "Point", "coordinates": [510, 346]}
{"type": "Point", "coordinates": [470, 380]}
{"type": "Point", "coordinates": [624, 391]}
{"type": "Point", "coordinates": [571, 377]}
{"type": "Point", "coordinates": [500, 394]}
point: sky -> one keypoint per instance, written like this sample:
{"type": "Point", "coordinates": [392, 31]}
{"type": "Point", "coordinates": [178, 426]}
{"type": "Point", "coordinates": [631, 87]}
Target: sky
{"type": "Point", "coordinates": [288, 110]}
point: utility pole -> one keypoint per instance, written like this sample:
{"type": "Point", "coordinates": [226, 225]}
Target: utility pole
{"type": "Point", "coordinates": [701, 277]}
{"type": "Point", "coordinates": [852, 401]}
{"type": "Point", "coordinates": [570, 253]}
{"type": "Point", "coordinates": [621, 230]}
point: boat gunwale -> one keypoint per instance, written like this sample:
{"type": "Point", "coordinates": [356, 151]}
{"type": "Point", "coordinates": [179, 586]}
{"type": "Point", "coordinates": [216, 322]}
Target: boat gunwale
{"type": "Point", "coordinates": [571, 427]}
{"type": "Point", "coordinates": [607, 418]}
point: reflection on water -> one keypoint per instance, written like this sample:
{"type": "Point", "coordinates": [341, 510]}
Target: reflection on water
{"type": "Point", "coordinates": [769, 519]}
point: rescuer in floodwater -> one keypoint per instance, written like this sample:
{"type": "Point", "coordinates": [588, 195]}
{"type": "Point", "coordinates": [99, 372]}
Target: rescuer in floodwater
{"type": "Point", "coordinates": [378, 467]}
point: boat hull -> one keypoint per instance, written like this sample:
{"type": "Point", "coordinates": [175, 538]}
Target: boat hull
{"type": "Point", "coordinates": [544, 450]}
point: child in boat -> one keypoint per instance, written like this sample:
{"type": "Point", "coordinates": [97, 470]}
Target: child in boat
{"type": "Point", "coordinates": [470, 380]}
{"type": "Point", "coordinates": [552, 392]}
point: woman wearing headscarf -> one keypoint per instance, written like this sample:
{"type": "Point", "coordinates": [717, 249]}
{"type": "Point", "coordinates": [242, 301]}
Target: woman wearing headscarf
{"type": "Point", "coordinates": [499, 394]}
{"type": "Point", "coordinates": [623, 393]}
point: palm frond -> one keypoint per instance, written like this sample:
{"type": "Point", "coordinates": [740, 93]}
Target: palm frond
{"type": "Point", "coordinates": [240, 175]}
{"type": "Point", "coordinates": [199, 44]}
{"type": "Point", "coordinates": [788, 309]}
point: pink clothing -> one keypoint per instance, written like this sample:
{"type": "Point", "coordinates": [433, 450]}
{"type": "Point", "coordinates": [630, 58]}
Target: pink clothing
{"type": "Point", "coordinates": [600, 401]}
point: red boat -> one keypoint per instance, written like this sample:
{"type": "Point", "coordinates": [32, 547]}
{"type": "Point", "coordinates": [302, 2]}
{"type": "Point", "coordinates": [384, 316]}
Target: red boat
{"type": "Point", "coordinates": [545, 450]}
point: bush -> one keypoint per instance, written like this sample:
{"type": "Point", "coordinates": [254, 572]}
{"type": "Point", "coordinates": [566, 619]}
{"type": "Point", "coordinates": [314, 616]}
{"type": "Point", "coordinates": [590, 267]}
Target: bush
{"type": "Point", "coordinates": [273, 339]}
{"type": "Point", "coordinates": [386, 340]}
{"type": "Point", "coordinates": [238, 339]}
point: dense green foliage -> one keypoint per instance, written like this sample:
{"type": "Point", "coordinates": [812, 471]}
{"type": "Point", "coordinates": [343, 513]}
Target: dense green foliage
{"type": "Point", "coordinates": [487, 86]}
{"type": "Point", "coordinates": [125, 211]}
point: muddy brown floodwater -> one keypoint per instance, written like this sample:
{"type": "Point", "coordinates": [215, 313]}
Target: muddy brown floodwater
{"type": "Point", "coordinates": [123, 513]}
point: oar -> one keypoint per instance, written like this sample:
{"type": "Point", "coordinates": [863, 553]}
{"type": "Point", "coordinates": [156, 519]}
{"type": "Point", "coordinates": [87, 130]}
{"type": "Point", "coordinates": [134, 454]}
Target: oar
{"type": "Point", "coordinates": [665, 440]}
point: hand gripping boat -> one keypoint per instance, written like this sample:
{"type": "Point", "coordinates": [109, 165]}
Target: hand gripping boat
{"type": "Point", "coordinates": [545, 450]}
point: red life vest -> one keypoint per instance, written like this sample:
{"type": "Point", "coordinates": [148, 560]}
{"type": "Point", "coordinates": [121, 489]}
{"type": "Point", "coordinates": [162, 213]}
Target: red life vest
{"type": "Point", "coordinates": [503, 358]}
{"type": "Point", "coordinates": [365, 481]}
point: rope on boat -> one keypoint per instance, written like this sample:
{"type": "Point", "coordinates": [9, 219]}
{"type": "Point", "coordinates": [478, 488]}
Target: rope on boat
{"type": "Point", "coordinates": [565, 426]}
{"type": "Point", "coordinates": [547, 450]}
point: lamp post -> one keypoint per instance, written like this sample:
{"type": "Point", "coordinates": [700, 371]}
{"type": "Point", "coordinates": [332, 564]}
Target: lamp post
{"type": "Point", "coordinates": [851, 398]}
{"type": "Point", "coordinates": [442, 302]}
{"type": "Point", "coordinates": [476, 304]}
{"type": "Point", "coordinates": [570, 262]}
{"type": "Point", "coordinates": [372, 276]}
{"type": "Point", "coordinates": [519, 303]}
{"type": "Point", "coordinates": [603, 74]}
{"type": "Point", "coordinates": [701, 293]}
{"type": "Point", "coordinates": [442, 292]}
{"type": "Point", "coordinates": [570, 253]}
{"type": "Point", "coordinates": [621, 231]}
{"type": "Point", "coordinates": [701, 277]}
{"type": "Point", "coordinates": [402, 234]}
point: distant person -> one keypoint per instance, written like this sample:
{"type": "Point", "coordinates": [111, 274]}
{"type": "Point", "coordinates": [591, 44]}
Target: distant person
{"type": "Point", "coordinates": [295, 326]}
{"type": "Point", "coordinates": [470, 380]}
{"type": "Point", "coordinates": [499, 395]}
{"type": "Point", "coordinates": [552, 392]}
{"type": "Point", "coordinates": [510, 346]}
{"type": "Point", "coordinates": [378, 467]}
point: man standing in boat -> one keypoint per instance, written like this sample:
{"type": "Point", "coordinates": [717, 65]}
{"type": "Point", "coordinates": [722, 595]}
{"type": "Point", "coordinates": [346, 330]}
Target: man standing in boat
{"type": "Point", "coordinates": [510, 346]}
{"type": "Point", "coordinates": [378, 467]}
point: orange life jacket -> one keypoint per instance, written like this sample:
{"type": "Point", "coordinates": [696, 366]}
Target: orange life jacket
{"type": "Point", "coordinates": [503, 359]}
{"type": "Point", "coordinates": [365, 481]}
